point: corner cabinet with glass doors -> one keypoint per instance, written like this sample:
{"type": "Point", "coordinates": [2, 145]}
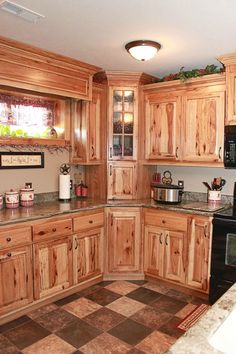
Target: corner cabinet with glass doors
{"type": "Point", "coordinates": [122, 148]}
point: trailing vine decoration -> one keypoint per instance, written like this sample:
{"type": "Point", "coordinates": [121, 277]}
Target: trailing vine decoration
{"type": "Point", "coordinates": [34, 148]}
{"type": "Point", "coordinates": [184, 75]}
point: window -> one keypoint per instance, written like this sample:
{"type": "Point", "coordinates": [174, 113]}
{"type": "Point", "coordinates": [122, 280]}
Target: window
{"type": "Point", "coordinates": [24, 116]}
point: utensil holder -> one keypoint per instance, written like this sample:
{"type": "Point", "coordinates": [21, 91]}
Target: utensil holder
{"type": "Point", "coordinates": [214, 196]}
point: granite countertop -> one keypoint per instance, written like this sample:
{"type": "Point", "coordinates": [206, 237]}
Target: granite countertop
{"type": "Point", "coordinates": [53, 208]}
{"type": "Point", "coordinates": [196, 339]}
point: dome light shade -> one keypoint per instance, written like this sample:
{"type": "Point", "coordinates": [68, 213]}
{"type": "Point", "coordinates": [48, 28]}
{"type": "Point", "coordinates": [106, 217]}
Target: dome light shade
{"type": "Point", "coordinates": [142, 49]}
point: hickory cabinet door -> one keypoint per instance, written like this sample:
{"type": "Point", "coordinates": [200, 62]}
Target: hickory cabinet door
{"type": "Point", "coordinates": [162, 136]}
{"type": "Point", "coordinates": [15, 278]}
{"type": "Point", "coordinates": [154, 250]}
{"type": "Point", "coordinates": [52, 266]}
{"type": "Point", "coordinates": [122, 180]}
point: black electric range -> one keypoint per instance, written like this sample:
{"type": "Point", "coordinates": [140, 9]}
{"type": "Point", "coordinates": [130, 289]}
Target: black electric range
{"type": "Point", "coordinates": [223, 257]}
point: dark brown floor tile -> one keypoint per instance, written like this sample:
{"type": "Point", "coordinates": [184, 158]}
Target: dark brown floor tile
{"type": "Point", "coordinates": [26, 334]}
{"type": "Point", "coordinates": [149, 317]}
{"type": "Point", "coordinates": [56, 320]}
{"type": "Point", "coordinates": [13, 324]}
{"type": "Point", "coordinates": [6, 347]}
{"type": "Point", "coordinates": [179, 295]}
{"type": "Point", "coordinates": [143, 295]}
{"type": "Point", "coordinates": [138, 282]}
{"type": "Point", "coordinates": [67, 299]}
{"type": "Point", "coordinates": [130, 332]}
{"type": "Point", "coordinates": [103, 297]}
{"type": "Point", "coordinates": [171, 329]}
{"type": "Point", "coordinates": [168, 304]}
{"type": "Point", "coordinates": [78, 333]}
{"type": "Point", "coordinates": [105, 283]}
{"type": "Point", "coordinates": [104, 319]}
{"type": "Point", "coordinates": [89, 290]}
{"type": "Point", "coordinates": [135, 351]}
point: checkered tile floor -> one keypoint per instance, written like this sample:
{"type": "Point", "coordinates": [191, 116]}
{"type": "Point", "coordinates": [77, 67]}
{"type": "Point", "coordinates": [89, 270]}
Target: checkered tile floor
{"type": "Point", "coordinates": [111, 317]}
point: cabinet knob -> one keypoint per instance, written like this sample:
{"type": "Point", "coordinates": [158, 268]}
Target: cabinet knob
{"type": "Point", "coordinates": [163, 221]}
{"type": "Point", "coordinates": [54, 229]}
{"type": "Point", "coordinates": [160, 238]}
{"type": "Point", "coordinates": [90, 221]}
{"type": "Point", "coordinates": [176, 152]}
{"type": "Point", "coordinates": [8, 239]}
{"type": "Point", "coordinates": [9, 254]}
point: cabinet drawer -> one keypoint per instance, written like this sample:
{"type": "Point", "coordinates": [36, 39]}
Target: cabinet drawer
{"type": "Point", "coordinates": [167, 220]}
{"type": "Point", "coordinates": [86, 222]}
{"type": "Point", "coordinates": [14, 237]}
{"type": "Point", "coordinates": [52, 229]}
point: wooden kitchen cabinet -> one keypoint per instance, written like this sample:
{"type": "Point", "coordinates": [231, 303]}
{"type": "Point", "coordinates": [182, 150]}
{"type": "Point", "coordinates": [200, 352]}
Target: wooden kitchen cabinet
{"type": "Point", "coordinates": [88, 128]}
{"type": "Point", "coordinates": [16, 279]}
{"type": "Point", "coordinates": [199, 246]}
{"type": "Point", "coordinates": [123, 241]}
{"type": "Point", "coordinates": [203, 126]}
{"type": "Point", "coordinates": [88, 245]}
{"type": "Point", "coordinates": [165, 238]}
{"type": "Point", "coordinates": [52, 250]}
{"type": "Point", "coordinates": [162, 136]}
{"type": "Point", "coordinates": [185, 121]}
{"type": "Point", "coordinates": [122, 180]}
{"type": "Point", "coordinates": [52, 266]}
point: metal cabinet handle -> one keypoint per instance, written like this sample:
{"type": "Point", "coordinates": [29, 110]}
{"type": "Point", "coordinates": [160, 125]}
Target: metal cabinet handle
{"type": "Point", "coordinates": [176, 152]}
{"type": "Point", "coordinates": [166, 239]}
{"type": "Point", "coordinates": [76, 243]}
{"type": "Point", "coordinates": [219, 155]}
{"type": "Point", "coordinates": [205, 230]}
{"type": "Point", "coordinates": [160, 238]}
{"type": "Point", "coordinates": [93, 153]}
{"type": "Point", "coordinates": [111, 153]}
{"type": "Point", "coordinates": [110, 170]}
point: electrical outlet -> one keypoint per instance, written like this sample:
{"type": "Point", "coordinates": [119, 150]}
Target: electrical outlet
{"type": "Point", "coordinates": [181, 183]}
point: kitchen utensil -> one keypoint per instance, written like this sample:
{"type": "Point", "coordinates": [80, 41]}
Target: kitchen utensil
{"type": "Point", "coordinates": [207, 185]}
{"type": "Point", "coordinates": [218, 183]}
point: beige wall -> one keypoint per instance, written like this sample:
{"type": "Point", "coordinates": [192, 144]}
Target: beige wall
{"type": "Point", "coordinates": [194, 176]}
{"type": "Point", "coordinates": [43, 179]}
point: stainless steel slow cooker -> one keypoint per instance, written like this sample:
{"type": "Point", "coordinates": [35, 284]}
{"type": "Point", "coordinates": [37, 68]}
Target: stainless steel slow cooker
{"type": "Point", "coordinates": [167, 193]}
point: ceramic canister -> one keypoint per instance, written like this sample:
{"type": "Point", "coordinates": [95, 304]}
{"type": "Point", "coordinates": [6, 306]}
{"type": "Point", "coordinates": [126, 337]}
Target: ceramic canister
{"type": "Point", "coordinates": [1, 201]}
{"type": "Point", "coordinates": [26, 197]}
{"type": "Point", "coordinates": [12, 199]}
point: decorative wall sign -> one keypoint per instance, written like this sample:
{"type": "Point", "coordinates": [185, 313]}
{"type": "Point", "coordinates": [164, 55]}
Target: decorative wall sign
{"type": "Point", "coordinates": [10, 160]}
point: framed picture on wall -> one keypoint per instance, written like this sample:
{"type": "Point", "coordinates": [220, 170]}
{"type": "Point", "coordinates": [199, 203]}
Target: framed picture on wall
{"type": "Point", "coordinates": [12, 160]}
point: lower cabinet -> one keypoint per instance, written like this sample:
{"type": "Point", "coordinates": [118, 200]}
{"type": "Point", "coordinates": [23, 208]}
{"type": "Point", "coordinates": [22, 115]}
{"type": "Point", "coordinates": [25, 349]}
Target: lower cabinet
{"type": "Point", "coordinates": [123, 240]}
{"type": "Point", "coordinates": [52, 266]}
{"type": "Point", "coordinates": [87, 255]}
{"type": "Point", "coordinates": [165, 253]}
{"type": "Point", "coordinates": [199, 253]}
{"type": "Point", "coordinates": [16, 288]}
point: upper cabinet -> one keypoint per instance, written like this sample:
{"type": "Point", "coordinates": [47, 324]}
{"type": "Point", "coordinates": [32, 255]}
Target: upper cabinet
{"type": "Point", "coordinates": [123, 121]}
{"type": "Point", "coordinates": [88, 127]}
{"type": "Point", "coordinates": [229, 60]}
{"type": "Point", "coordinates": [185, 121]}
{"type": "Point", "coordinates": [26, 67]}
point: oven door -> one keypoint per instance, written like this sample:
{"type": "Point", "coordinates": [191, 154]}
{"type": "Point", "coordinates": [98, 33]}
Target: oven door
{"type": "Point", "coordinates": [223, 258]}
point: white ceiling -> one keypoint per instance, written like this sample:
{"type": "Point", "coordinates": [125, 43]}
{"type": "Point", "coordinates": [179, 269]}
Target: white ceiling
{"type": "Point", "coordinates": [192, 33]}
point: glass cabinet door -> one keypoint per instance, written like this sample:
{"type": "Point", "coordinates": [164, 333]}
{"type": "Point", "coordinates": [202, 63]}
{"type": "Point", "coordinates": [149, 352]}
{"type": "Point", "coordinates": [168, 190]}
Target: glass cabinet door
{"type": "Point", "coordinates": [122, 124]}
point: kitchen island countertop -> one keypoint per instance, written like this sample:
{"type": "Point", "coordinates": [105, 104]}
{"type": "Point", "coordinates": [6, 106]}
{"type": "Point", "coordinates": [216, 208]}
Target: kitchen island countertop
{"type": "Point", "coordinates": [196, 339]}
{"type": "Point", "coordinates": [54, 208]}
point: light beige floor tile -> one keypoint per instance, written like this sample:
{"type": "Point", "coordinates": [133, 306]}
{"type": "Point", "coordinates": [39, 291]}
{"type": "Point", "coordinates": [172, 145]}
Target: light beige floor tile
{"type": "Point", "coordinates": [155, 287]}
{"type": "Point", "coordinates": [185, 310]}
{"type": "Point", "coordinates": [105, 344]}
{"type": "Point", "coordinates": [126, 306]}
{"type": "Point", "coordinates": [81, 307]}
{"type": "Point", "coordinates": [156, 343]}
{"type": "Point", "coordinates": [50, 345]}
{"type": "Point", "coordinates": [122, 287]}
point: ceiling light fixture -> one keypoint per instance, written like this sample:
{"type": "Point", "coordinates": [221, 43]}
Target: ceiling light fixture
{"type": "Point", "coordinates": [142, 49]}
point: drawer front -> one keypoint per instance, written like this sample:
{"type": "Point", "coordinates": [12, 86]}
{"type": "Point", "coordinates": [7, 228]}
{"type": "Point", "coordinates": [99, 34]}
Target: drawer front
{"type": "Point", "coordinates": [86, 222]}
{"type": "Point", "coordinates": [52, 229]}
{"type": "Point", "coordinates": [167, 220]}
{"type": "Point", "coordinates": [14, 237]}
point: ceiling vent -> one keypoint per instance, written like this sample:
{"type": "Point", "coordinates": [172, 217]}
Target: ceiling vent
{"type": "Point", "coordinates": [20, 11]}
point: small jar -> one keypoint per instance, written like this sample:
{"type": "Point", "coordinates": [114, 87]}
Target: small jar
{"type": "Point", "coordinates": [12, 199]}
{"type": "Point", "coordinates": [1, 201]}
{"type": "Point", "coordinates": [26, 197]}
